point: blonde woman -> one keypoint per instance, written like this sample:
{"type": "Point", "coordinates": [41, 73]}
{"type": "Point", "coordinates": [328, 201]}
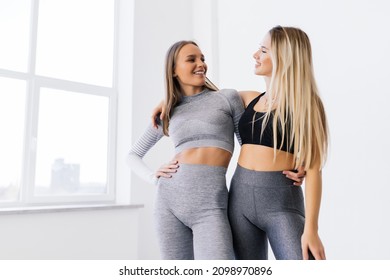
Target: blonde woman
{"type": "Point", "coordinates": [281, 129]}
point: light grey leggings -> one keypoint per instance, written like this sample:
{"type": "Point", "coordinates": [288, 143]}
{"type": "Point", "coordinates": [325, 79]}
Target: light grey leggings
{"type": "Point", "coordinates": [265, 206]}
{"type": "Point", "coordinates": [191, 214]}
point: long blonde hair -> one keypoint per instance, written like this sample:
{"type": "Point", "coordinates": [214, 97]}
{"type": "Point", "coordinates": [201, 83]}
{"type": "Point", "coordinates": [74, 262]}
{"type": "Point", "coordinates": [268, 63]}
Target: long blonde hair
{"type": "Point", "coordinates": [173, 90]}
{"type": "Point", "coordinates": [298, 104]}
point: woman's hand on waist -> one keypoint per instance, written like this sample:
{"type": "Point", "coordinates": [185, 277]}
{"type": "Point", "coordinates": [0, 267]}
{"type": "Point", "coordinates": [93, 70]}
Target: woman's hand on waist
{"type": "Point", "coordinates": [167, 169]}
{"type": "Point", "coordinates": [296, 175]}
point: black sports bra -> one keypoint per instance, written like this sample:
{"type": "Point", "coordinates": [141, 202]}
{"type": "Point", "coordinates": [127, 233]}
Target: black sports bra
{"type": "Point", "coordinates": [250, 126]}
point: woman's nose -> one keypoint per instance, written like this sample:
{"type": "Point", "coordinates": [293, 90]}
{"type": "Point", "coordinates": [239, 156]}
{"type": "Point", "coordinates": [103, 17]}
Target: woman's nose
{"type": "Point", "coordinates": [201, 63]}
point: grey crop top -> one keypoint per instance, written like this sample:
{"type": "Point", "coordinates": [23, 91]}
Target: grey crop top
{"type": "Point", "coordinates": [207, 119]}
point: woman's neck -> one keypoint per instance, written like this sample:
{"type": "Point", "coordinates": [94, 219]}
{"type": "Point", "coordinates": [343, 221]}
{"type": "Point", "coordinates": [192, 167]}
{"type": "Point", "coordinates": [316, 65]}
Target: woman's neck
{"type": "Point", "coordinates": [267, 83]}
{"type": "Point", "coordinates": [189, 91]}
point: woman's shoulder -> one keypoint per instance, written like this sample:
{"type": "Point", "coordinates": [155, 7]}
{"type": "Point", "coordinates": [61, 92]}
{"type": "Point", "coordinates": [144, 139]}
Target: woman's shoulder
{"type": "Point", "coordinates": [248, 95]}
{"type": "Point", "coordinates": [231, 98]}
{"type": "Point", "coordinates": [228, 91]}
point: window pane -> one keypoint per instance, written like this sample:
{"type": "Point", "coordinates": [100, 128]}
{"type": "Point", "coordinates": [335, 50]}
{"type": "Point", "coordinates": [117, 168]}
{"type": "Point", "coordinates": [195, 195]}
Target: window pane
{"type": "Point", "coordinates": [75, 40]}
{"type": "Point", "coordinates": [14, 34]}
{"type": "Point", "coordinates": [71, 144]}
{"type": "Point", "coordinates": [12, 115]}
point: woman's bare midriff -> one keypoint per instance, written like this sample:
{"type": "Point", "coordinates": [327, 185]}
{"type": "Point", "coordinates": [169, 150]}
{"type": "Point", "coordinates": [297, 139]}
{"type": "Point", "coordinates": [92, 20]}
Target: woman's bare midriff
{"type": "Point", "coordinates": [204, 155]}
{"type": "Point", "coordinates": [261, 158]}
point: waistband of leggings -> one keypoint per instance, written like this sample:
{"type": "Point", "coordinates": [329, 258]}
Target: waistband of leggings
{"type": "Point", "coordinates": [261, 178]}
{"type": "Point", "coordinates": [201, 168]}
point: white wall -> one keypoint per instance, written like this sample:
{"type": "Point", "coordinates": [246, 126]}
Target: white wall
{"type": "Point", "coordinates": [70, 235]}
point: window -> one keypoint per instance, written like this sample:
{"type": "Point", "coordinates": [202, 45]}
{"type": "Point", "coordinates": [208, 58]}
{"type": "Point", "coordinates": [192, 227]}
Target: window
{"type": "Point", "coordinates": [58, 93]}
{"type": "Point", "coordinates": [71, 151]}
{"type": "Point", "coordinates": [12, 116]}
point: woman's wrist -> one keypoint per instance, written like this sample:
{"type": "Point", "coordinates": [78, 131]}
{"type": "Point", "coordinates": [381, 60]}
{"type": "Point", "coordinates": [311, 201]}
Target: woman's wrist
{"type": "Point", "coordinates": [310, 228]}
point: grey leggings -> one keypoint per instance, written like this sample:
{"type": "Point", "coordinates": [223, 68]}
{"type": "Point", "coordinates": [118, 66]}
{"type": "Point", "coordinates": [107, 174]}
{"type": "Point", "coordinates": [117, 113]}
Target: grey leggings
{"type": "Point", "coordinates": [191, 214]}
{"type": "Point", "coordinates": [265, 206]}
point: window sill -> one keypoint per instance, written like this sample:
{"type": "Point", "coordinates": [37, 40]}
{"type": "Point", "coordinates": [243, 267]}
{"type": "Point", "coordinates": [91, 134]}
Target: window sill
{"type": "Point", "coordinates": [66, 208]}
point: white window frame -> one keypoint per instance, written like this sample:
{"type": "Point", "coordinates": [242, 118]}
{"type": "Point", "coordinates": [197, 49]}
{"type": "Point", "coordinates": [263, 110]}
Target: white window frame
{"type": "Point", "coordinates": [119, 125]}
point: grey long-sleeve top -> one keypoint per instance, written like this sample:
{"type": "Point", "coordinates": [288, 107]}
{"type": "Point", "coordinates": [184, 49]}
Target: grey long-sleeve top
{"type": "Point", "coordinates": [207, 119]}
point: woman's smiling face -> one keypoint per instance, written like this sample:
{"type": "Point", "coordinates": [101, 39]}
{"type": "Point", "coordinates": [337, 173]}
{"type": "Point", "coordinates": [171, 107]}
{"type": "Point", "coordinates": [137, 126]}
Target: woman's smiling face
{"type": "Point", "coordinates": [190, 69]}
{"type": "Point", "coordinates": [263, 66]}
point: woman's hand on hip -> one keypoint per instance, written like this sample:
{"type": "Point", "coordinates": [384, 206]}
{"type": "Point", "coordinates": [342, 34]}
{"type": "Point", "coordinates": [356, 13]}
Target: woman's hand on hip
{"type": "Point", "coordinates": [298, 176]}
{"type": "Point", "coordinates": [167, 169]}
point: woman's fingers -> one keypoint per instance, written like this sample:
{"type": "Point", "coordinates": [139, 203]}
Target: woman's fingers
{"type": "Point", "coordinates": [166, 169]}
{"type": "Point", "coordinates": [294, 176]}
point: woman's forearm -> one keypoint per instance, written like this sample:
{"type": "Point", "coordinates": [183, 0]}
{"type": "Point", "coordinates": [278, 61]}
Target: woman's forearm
{"type": "Point", "coordinates": [313, 193]}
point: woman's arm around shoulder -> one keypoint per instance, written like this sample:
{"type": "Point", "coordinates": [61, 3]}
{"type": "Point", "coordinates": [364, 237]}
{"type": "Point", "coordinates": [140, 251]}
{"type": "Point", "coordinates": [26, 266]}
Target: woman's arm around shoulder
{"type": "Point", "coordinates": [158, 112]}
